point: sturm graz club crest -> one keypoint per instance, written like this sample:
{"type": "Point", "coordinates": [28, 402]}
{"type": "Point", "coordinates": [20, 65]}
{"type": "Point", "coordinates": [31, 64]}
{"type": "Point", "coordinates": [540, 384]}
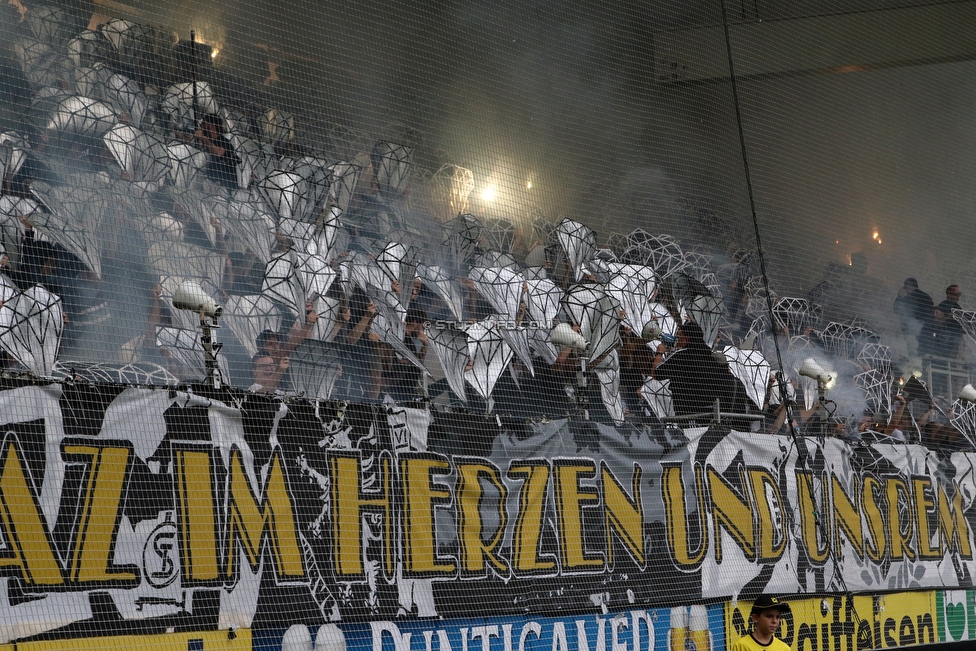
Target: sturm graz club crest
{"type": "Point", "coordinates": [159, 556]}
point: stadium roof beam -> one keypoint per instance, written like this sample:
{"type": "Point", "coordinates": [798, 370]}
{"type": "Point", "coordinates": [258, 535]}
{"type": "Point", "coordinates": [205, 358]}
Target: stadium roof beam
{"type": "Point", "coordinates": [824, 44]}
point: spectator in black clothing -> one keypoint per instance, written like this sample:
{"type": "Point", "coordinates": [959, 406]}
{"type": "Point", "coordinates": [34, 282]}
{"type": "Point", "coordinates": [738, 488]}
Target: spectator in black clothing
{"type": "Point", "coordinates": [914, 307]}
{"type": "Point", "coordinates": [222, 167]}
{"type": "Point", "coordinates": [404, 378]}
{"type": "Point", "coordinates": [697, 378]}
{"type": "Point", "coordinates": [950, 332]}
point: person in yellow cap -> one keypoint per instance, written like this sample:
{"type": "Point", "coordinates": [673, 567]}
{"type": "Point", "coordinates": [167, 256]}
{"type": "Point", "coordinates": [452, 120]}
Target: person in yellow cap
{"type": "Point", "coordinates": [765, 615]}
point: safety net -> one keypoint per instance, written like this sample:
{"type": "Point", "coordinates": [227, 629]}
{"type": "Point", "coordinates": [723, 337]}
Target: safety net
{"type": "Point", "coordinates": [548, 326]}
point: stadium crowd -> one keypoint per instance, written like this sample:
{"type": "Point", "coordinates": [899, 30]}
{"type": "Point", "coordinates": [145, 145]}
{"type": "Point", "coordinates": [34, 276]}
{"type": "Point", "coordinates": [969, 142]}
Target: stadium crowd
{"type": "Point", "coordinates": [345, 274]}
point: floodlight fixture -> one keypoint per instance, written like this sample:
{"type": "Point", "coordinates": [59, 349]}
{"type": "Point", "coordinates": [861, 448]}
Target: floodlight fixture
{"type": "Point", "coordinates": [968, 393]}
{"type": "Point", "coordinates": [563, 335]}
{"type": "Point", "coordinates": [190, 296]}
{"type": "Point", "coordinates": [811, 369]}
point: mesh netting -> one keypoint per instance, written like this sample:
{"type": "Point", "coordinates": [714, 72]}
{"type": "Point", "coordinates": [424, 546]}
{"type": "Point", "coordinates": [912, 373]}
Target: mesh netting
{"type": "Point", "coordinates": [565, 326]}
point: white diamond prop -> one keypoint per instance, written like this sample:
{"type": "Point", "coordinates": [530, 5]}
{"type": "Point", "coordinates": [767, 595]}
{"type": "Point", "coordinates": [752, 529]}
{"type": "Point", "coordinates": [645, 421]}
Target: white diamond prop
{"type": "Point", "coordinates": [877, 388]}
{"type": "Point", "coordinates": [391, 259]}
{"type": "Point", "coordinates": [489, 356]}
{"type": "Point", "coordinates": [579, 243]}
{"type": "Point", "coordinates": [42, 64]}
{"type": "Point", "coordinates": [256, 160]}
{"type": "Point", "coordinates": [877, 357]}
{"type": "Point", "coordinates": [314, 367]}
{"type": "Point", "coordinates": [846, 340]}
{"type": "Point", "coordinates": [125, 96]}
{"type": "Point", "coordinates": [706, 311]}
{"type": "Point", "coordinates": [13, 152]}
{"type": "Point", "coordinates": [462, 243]}
{"type": "Point", "coordinates": [365, 273]}
{"type": "Point", "coordinates": [283, 282]}
{"type": "Point", "coordinates": [501, 287]}
{"type": "Point", "coordinates": [82, 117]}
{"type": "Point", "coordinates": [964, 419]}
{"type": "Point", "coordinates": [74, 221]}
{"type": "Point", "coordinates": [752, 369]}
{"type": "Point", "coordinates": [287, 194]}
{"type": "Point", "coordinates": [135, 374]}
{"type": "Point", "coordinates": [517, 339]}
{"type": "Point", "coordinates": [542, 298]}
{"type": "Point", "coordinates": [276, 127]}
{"type": "Point", "coordinates": [87, 49]}
{"type": "Point", "coordinates": [633, 287]}
{"type": "Point", "coordinates": [302, 233]}
{"type": "Point", "coordinates": [792, 313]}
{"type": "Point", "coordinates": [659, 252]}
{"type": "Point", "coordinates": [393, 167]}
{"type": "Point", "coordinates": [345, 177]}
{"type": "Point", "coordinates": [249, 316]}
{"type": "Point", "coordinates": [188, 261]}
{"type": "Point", "coordinates": [967, 320]}
{"type": "Point", "coordinates": [451, 347]}
{"type": "Point", "coordinates": [452, 185]}
{"type": "Point", "coordinates": [318, 177]}
{"type": "Point", "coordinates": [608, 373]}
{"type": "Point", "coordinates": [30, 329]}
{"type": "Point", "coordinates": [498, 235]}
{"type": "Point", "coordinates": [7, 288]}
{"type": "Point", "coordinates": [133, 43]}
{"type": "Point", "coordinates": [50, 24]}
{"type": "Point", "coordinates": [143, 156]}
{"type": "Point", "coordinates": [657, 395]}
{"type": "Point", "coordinates": [253, 226]}
{"type": "Point", "coordinates": [11, 228]}
{"type": "Point", "coordinates": [598, 317]}
{"type": "Point", "coordinates": [178, 103]}
{"type": "Point", "coordinates": [328, 310]}
{"type": "Point", "coordinates": [441, 283]}
{"type": "Point", "coordinates": [186, 164]}
{"type": "Point", "coordinates": [315, 274]}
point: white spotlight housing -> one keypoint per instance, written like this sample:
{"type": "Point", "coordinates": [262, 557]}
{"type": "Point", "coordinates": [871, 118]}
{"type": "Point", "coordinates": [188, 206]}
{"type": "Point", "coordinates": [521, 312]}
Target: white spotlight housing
{"type": "Point", "coordinates": [968, 393]}
{"type": "Point", "coordinates": [564, 335]}
{"type": "Point", "coordinates": [192, 297]}
{"type": "Point", "coordinates": [811, 369]}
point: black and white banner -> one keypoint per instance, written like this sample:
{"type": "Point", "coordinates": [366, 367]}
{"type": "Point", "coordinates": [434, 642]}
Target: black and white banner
{"type": "Point", "coordinates": [138, 510]}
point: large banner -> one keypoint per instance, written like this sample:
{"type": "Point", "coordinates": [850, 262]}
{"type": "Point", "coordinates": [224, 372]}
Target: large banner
{"type": "Point", "coordinates": [128, 510]}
